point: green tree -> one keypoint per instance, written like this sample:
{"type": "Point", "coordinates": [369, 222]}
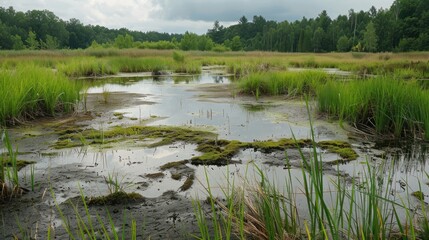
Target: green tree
{"type": "Point", "coordinates": [17, 43]}
{"type": "Point", "coordinates": [343, 44]}
{"type": "Point", "coordinates": [50, 43]}
{"type": "Point", "coordinates": [370, 38]}
{"type": "Point", "coordinates": [189, 42]}
{"type": "Point", "coordinates": [236, 44]}
{"type": "Point", "coordinates": [317, 39]}
{"type": "Point", "coordinates": [32, 42]}
{"type": "Point", "coordinates": [124, 41]}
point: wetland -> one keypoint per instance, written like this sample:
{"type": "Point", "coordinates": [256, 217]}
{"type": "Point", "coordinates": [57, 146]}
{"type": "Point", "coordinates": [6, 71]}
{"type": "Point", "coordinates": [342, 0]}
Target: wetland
{"type": "Point", "coordinates": [148, 147]}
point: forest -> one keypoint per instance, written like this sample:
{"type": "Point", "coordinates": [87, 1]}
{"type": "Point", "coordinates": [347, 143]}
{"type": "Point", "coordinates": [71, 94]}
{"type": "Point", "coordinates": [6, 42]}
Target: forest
{"type": "Point", "coordinates": [400, 28]}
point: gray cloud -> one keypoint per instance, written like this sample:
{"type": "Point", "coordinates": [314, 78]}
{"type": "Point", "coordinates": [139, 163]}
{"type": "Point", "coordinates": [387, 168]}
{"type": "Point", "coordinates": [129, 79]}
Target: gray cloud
{"type": "Point", "coordinates": [177, 16]}
{"type": "Point", "coordinates": [232, 10]}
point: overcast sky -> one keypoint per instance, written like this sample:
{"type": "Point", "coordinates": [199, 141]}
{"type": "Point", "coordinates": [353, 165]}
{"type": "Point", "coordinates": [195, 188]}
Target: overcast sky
{"type": "Point", "coordinates": [178, 16]}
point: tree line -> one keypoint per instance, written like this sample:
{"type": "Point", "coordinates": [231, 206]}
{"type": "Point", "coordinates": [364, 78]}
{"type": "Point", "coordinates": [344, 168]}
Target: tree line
{"type": "Point", "coordinates": [402, 27]}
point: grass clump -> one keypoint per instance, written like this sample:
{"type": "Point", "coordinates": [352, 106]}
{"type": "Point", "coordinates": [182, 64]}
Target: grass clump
{"type": "Point", "coordinates": [283, 83]}
{"type": "Point", "coordinates": [87, 67]}
{"type": "Point", "coordinates": [28, 92]}
{"type": "Point", "coordinates": [130, 64]}
{"type": "Point", "coordinates": [380, 105]}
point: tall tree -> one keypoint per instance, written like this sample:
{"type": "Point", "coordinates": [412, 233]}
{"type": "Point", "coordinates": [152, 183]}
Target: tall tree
{"type": "Point", "coordinates": [370, 38]}
{"type": "Point", "coordinates": [32, 42]}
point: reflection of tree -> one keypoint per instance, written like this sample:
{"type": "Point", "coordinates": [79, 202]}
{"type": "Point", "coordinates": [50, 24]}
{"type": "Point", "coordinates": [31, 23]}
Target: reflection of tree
{"type": "Point", "coordinates": [218, 79]}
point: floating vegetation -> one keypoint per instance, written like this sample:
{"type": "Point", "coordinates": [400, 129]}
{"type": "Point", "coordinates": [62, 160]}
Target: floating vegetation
{"type": "Point", "coordinates": [155, 175]}
{"type": "Point", "coordinates": [214, 152]}
{"type": "Point", "coordinates": [188, 183]}
{"type": "Point", "coordinates": [344, 149]}
{"type": "Point", "coordinates": [115, 198]}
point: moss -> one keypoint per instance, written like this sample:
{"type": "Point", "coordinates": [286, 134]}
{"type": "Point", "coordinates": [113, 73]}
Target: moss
{"type": "Point", "coordinates": [116, 198]}
{"type": "Point", "coordinates": [134, 119]}
{"type": "Point", "coordinates": [217, 154]}
{"type": "Point", "coordinates": [173, 165]}
{"type": "Point", "coordinates": [282, 144]}
{"type": "Point", "coordinates": [155, 175]}
{"type": "Point", "coordinates": [344, 149]}
{"type": "Point", "coordinates": [176, 176]}
{"type": "Point", "coordinates": [188, 183]}
{"type": "Point", "coordinates": [20, 164]}
{"type": "Point", "coordinates": [66, 143]}
{"type": "Point", "coordinates": [419, 195]}
{"type": "Point", "coordinates": [167, 135]}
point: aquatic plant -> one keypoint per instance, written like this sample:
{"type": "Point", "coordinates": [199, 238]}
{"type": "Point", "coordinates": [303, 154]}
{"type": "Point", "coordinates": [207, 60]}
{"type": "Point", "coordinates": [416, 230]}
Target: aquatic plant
{"type": "Point", "coordinates": [283, 83]}
{"type": "Point", "coordinates": [382, 105]}
{"type": "Point", "coordinates": [87, 67]}
{"type": "Point", "coordinates": [29, 91]}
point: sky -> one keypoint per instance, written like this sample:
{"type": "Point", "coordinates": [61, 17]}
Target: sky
{"type": "Point", "coordinates": [178, 16]}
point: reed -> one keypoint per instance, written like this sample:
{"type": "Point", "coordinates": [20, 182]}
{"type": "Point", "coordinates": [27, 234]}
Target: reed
{"type": "Point", "coordinates": [283, 83]}
{"type": "Point", "coordinates": [381, 105]}
{"type": "Point", "coordinates": [29, 91]}
{"type": "Point", "coordinates": [87, 67]}
{"type": "Point", "coordinates": [129, 64]}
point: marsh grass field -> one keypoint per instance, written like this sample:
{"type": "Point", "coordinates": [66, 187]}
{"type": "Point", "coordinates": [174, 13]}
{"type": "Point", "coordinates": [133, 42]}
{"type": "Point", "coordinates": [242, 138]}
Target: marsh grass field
{"type": "Point", "coordinates": [379, 97]}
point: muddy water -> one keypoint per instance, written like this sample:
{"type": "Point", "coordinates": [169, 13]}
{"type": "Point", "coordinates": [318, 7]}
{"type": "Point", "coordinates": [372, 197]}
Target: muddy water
{"type": "Point", "coordinates": [208, 102]}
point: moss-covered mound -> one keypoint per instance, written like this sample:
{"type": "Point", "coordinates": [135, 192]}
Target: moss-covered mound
{"type": "Point", "coordinates": [116, 198]}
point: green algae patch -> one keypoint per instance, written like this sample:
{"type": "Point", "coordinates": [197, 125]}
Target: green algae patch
{"type": "Point", "coordinates": [155, 175]}
{"type": "Point", "coordinates": [213, 151]}
{"type": "Point", "coordinates": [20, 164]}
{"type": "Point", "coordinates": [173, 165]}
{"type": "Point", "coordinates": [116, 198]}
{"type": "Point", "coordinates": [217, 152]}
{"type": "Point", "coordinates": [344, 149]}
{"type": "Point", "coordinates": [165, 134]}
{"type": "Point", "coordinates": [282, 144]}
{"type": "Point", "coordinates": [419, 195]}
{"type": "Point", "coordinates": [188, 183]}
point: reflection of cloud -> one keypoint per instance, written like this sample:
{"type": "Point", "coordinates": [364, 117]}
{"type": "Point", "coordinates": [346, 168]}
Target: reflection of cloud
{"type": "Point", "coordinates": [193, 15]}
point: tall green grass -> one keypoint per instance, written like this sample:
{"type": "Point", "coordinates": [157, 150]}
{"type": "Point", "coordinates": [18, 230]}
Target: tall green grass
{"type": "Point", "coordinates": [128, 64]}
{"type": "Point", "coordinates": [29, 91]}
{"type": "Point", "coordinates": [383, 105]}
{"type": "Point", "coordinates": [283, 83]}
{"type": "Point", "coordinates": [87, 67]}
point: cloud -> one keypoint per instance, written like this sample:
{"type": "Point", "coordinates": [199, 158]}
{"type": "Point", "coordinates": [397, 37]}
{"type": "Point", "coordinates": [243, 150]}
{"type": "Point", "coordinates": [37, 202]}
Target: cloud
{"type": "Point", "coordinates": [194, 15]}
{"type": "Point", "coordinates": [232, 10]}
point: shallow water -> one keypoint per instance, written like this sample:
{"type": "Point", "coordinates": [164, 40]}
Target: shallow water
{"type": "Point", "coordinates": [190, 101]}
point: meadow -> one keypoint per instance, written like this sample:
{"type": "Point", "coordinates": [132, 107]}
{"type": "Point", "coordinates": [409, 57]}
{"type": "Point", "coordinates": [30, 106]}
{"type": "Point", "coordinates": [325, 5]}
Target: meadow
{"type": "Point", "coordinates": [383, 96]}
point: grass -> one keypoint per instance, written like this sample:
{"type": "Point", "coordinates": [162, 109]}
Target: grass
{"type": "Point", "coordinates": [87, 67]}
{"type": "Point", "coordinates": [381, 105]}
{"type": "Point", "coordinates": [283, 83]}
{"type": "Point", "coordinates": [9, 168]}
{"type": "Point", "coordinates": [29, 91]}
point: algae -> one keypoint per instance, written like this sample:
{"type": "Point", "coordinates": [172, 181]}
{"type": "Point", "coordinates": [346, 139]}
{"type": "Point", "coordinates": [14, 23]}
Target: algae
{"type": "Point", "coordinates": [173, 165]}
{"type": "Point", "coordinates": [188, 183]}
{"type": "Point", "coordinates": [119, 197]}
{"type": "Point", "coordinates": [344, 149]}
{"type": "Point", "coordinates": [155, 175]}
{"type": "Point", "coordinates": [419, 195]}
{"type": "Point", "coordinates": [214, 151]}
